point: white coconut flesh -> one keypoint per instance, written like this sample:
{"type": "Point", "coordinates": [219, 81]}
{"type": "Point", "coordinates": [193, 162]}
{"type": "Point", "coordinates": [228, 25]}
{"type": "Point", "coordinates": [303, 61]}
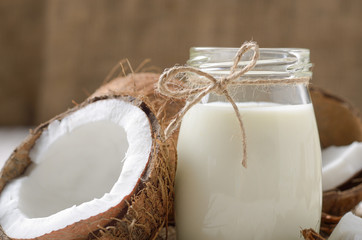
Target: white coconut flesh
{"type": "Point", "coordinates": [348, 228]}
{"type": "Point", "coordinates": [82, 166]}
{"type": "Point", "coordinates": [340, 163]}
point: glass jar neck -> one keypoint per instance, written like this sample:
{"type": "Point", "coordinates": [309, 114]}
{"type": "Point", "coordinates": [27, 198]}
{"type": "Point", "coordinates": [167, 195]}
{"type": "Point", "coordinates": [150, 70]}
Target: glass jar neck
{"type": "Point", "coordinates": [273, 63]}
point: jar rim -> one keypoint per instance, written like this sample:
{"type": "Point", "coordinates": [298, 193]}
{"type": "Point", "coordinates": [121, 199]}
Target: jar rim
{"type": "Point", "coordinates": [196, 48]}
{"type": "Point", "coordinates": [273, 62]}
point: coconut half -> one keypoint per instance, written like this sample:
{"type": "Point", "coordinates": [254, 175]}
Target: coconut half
{"type": "Point", "coordinates": [98, 165]}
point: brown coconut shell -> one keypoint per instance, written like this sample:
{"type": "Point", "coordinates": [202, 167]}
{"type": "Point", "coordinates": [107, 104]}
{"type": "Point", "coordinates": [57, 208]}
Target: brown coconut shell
{"type": "Point", "coordinates": [140, 215]}
{"type": "Point", "coordinates": [339, 123]}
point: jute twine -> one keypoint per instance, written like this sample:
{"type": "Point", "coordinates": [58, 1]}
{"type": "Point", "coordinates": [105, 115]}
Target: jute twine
{"type": "Point", "coordinates": [195, 88]}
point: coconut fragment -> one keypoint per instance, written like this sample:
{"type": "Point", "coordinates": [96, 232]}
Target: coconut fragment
{"type": "Point", "coordinates": [95, 165]}
{"type": "Point", "coordinates": [358, 209]}
{"type": "Point", "coordinates": [349, 228]}
{"type": "Point", "coordinates": [340, 164]}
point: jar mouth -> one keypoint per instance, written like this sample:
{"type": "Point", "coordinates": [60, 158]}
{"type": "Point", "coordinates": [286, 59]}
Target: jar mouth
{"type": "Point", "coordinates": [234, 49]}
{"type": "Point", "coordinates": [272, 63]}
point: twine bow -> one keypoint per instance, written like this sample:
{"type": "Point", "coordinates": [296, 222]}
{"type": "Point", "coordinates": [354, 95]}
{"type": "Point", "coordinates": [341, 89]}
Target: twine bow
{"type": "Point", "coordinates": [197, 88]}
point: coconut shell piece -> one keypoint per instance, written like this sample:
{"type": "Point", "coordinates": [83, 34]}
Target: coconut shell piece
{"type": "Point", "coordinates": [339, 124]}
{"type": "Point", "coordinates": [329, 222]}
{"type": "Point", "coordinates": [141, 215]}
{"type": "Point", "coordinates": [338, 202]}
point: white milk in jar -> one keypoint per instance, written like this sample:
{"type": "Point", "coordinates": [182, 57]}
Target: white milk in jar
{"type": "Point", "coordinates": [279, 193]}
{"type": "Point", "coordinates": [276, 196]}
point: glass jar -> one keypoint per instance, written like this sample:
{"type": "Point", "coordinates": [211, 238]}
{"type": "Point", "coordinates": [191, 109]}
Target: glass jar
{"type": "Point", "coordinates": [279, 193]}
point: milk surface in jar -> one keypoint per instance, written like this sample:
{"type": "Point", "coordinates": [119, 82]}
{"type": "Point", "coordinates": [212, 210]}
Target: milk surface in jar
{"type": "Point", "coordinates": [277, 195]}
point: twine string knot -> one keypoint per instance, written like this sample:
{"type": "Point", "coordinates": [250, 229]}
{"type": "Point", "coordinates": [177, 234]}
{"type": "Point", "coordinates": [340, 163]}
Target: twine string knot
{"type": "Point", "coordinates": [221, 86]}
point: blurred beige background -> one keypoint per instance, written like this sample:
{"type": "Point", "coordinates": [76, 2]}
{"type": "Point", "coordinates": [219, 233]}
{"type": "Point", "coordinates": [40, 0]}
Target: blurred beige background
{"type": "Point", "coordinates": [53, 52]}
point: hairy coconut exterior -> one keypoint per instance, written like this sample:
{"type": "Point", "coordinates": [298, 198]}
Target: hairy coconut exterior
{"type": "Point", "coordinates": [143, 85]}
{"type": "Point", "coordinates": [140, 215]}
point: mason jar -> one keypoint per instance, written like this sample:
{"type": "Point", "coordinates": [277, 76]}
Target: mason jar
{"type": "Point", "coordinates": [279, 192]}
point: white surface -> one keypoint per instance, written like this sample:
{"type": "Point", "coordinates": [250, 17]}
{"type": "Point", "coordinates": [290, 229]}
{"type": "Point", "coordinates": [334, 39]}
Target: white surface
{"type": "Point", "coordinates": [10, 138]}
{"type": "Point", "coordinates": [348, 228]}
{"type": "Point", "coordinates": [340, 164]}
{"type": "Point", "coordinates": [134, 121]}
